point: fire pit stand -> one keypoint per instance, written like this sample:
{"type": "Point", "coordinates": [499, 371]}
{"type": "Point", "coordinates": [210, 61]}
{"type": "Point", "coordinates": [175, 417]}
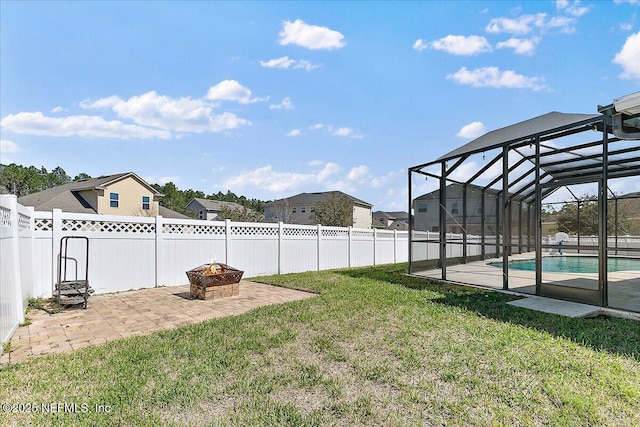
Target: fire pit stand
{"type": "Point", "coordinates": [215, 280]}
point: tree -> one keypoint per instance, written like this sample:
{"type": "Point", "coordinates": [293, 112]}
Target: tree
{"type": "Point", "coordinates": [336, 210]}
{"type": "Point", "coordinates": [567, 217]}
{"type": "Point", "coordinates": [82, 176]}
{"type": "Point", "coordinates": [239, 215]}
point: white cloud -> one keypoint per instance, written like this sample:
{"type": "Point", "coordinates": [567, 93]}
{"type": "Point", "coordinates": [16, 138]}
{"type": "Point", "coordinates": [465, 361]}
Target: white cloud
{"type": "Point", "coordinates": [358, 173]}
{"type": "Point", "coordinates": [461, 45]}
{"type": "Point", "coordinates": [294, 132]}
{"type": "Point", "coordinates": [178, 115]}
{"type": "Point", "coordinates": [627, 1]}
{"type": "Point", "coordinates": [626, 26]}
{"type": "Point", "coordinates": [286, 104]}
{"type": "Point", "coordinates": [494, 77]}
{"type": "Point", "coordinates": [345, 131]}
{"type": "Point", "coordinates": [420, 45]}
{"type": "Point", "coordinates": [563, 23]}
{"type": "Point", "coordinates": [58, 109]}
{"type": "Point", "coordinates": [316, 163]}
{"type": "Point", "coordinates": [265, 178]}
{"type": "Point", "coordinates": [520, 46]}
{"type": "Point", "coordinates": [85, 126]}
{"type": "Point", "coordinates": [232, 90]}
{"type": "Point", "coordinates": [574, 9]}
{"type": "Point", "coordinates": [287, 63]}
{"type": "Point", "coordinates": [310, 36]}
{"type": "Point", "coordinates": [328, 170]}
{"type": "Point", "coordinates": [628, 57]}
{"type": "Point", "coordinates": [341, 131]}
{"type": "Point", "coordinates": [472, 130]}
{"type": "Point", "coordinates": [7, 146]}
{"type": "Point", "coordinates": [523, 24]}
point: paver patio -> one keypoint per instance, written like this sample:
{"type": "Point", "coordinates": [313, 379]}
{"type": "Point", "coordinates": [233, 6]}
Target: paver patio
{"type": "Point", "coordinates": [113, 316]}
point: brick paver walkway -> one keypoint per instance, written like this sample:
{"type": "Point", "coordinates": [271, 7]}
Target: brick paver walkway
{"type": "Point", "coordinates": [114, 316]}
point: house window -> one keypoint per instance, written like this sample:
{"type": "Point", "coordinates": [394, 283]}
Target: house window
{"type": "Point", "coordinates": [303, 209]}
{"type": "Point", "coordinates": [294, 210]}
{"type": "Point", "coordinates": [201, 214]}
{"type": "Point", "coordinates": [422, 207]}
{"type": "Point", "coordinates": [146, 203]}
{"type": "Point", "coordinates": [454, 208]}
{"type": "Point", "coordinates": [113, 200]}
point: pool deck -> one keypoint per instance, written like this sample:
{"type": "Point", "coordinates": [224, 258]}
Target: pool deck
{"type": "Point", "coordinates": [624, 286]}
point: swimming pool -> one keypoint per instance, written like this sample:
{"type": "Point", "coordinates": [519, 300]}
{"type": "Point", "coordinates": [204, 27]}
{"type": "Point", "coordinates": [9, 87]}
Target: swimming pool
{"type": "Point", "coordinates": [574, 264]}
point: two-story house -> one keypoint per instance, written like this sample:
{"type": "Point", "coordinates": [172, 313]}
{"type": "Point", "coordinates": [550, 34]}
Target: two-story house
{"type": "Point", "coordinates": [427, 210]}
{"type": "Point", "coordinates": [390, 220]}
{"type": "Point", "coordinates": [210, 209]}
{"type": "Point", "coordinates": [119, 194]}
{"type": "Point", "coordinates": [299, 209]}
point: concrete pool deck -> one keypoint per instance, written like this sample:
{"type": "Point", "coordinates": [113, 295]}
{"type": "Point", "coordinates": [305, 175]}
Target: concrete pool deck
{"type": "Point", "coordinates": [624, 286]}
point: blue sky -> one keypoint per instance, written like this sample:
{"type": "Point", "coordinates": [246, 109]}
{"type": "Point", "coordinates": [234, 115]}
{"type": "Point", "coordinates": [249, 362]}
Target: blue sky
{"type": "Point", "coordinates": [270, 99]}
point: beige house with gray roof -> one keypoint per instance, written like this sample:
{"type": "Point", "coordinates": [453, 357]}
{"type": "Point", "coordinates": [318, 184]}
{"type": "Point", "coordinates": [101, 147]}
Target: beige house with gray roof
{"type": "Point", "coordinates": [210, 209]}
{"type": "Point", "coordinates": [120, 194]}
{"type": "Point", "coordinates": [298, 209]}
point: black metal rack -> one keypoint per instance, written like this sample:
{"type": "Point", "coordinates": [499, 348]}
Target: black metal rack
{"type": "Point", "coordinates": [77, 291]}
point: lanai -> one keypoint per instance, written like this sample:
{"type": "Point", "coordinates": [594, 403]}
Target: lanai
{"type": "Point", "coordinates": [517, 168]}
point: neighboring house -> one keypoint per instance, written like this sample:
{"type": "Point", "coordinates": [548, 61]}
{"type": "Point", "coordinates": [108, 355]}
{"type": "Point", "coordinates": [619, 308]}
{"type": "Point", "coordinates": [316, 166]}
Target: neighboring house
{"type": "Point", "coordinates": [210, 209]}
{"type": "Point", "coordinates": [120, 194]}
{"type": "Point", "coordinates": [427, 210]}
{"type": "Point", "coordinates": [299, 209]}
{"type": "Point", "coordinates": [390, 220]}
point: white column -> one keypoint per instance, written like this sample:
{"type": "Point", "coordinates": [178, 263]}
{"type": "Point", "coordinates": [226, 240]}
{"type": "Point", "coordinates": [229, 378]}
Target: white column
{"type": "Point", "coordinates": [375, 241]}
{"type": "Point", "coordinates": [319, 246]}
{"type": "Point", "coordinates": [349, 246]}
{"type": "Point", "coordinates": [280, 256]}
{"type": "Point", "coordinates": [15, 248]}
{"type": "Point", "coordinates": [227, 242]}
{"type": "Point", "coordinates": [395, 246]}
{"type": "Point", "coordinates": [56, 236]}
{"type": "Point", "coordinates": [160, 276]}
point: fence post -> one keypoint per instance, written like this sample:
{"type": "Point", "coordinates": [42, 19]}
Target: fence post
{"type": "Point", "coordinates": [375, 241]}
{"type": "Point", "coordinates": [395, 246]}
{"type": "Point", "coordinates": [56, 235]}
{"type": "Point", "coordinates": [349, 246]}
{"type": "Point", "coordinates": [159, 246]}
{"type": "Point", "coordinates": [319, 245]}
{"type": "Point", "coordinates": [280, 238]}
{"type": "Point", "coordinates": [227, 241]}
{"type": "Point", "coordinates": [15, 248]}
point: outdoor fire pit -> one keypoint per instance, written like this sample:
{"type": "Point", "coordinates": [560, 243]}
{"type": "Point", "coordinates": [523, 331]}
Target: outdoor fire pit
{"type": "Point", "coordinates": [214, 280]}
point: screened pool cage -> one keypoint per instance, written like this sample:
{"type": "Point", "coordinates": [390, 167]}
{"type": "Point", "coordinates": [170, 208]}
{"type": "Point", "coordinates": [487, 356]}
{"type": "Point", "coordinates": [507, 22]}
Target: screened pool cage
{"type": "Point", "coordinates": [549, 206]}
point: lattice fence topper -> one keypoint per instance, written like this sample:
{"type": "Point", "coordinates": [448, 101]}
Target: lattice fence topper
{"type": "Point", "coordinates": [335, 233]}
{"type": "Point", "coordinates": [254, 231]}
{"type": "Point", "coordinates": [43, 224]}
{"type": "Point", "coordinates": [107, 226]}
{"type": "Point", "coordinates": [384, 235]}
{"type": "Point", "coordinates": [357, 233]}
{"type": "Point", "coordinates": [5, 217]}
{"type": "Point", "coordinates": [216, 230]}
{"type": "Point", "coordinates": [24, 222]}
{"type": "Point", "coordinates": [301, 232]}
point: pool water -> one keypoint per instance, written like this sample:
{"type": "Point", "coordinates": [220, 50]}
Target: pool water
{"type": "Point", "coordinates": [574, 264]}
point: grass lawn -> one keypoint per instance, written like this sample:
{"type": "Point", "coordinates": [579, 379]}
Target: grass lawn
{"type": "Point", "coordinates": [374, 348]}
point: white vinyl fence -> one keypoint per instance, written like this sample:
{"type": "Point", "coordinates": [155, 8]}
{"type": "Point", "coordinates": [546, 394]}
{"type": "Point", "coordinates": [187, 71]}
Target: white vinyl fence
{"type": "Point", "coordinates": [138, 252]}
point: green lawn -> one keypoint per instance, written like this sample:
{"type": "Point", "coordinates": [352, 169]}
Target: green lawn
{"type": "Point", "coordinates": [374, 348]}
